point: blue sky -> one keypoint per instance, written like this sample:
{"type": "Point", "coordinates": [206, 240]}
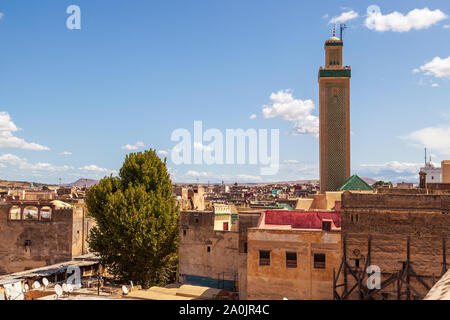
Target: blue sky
{"type": "Point", "coordinates": [75, 102]}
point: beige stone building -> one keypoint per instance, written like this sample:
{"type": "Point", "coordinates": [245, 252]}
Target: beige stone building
{"type": "Point", "coordinates": [292, 255]}
{"type": "Point", "coordinates": [445, 167]}
{"type": "Point", "coordinates": [214, 258]}
{"type": "Point", "coordinates": [34, 234]}
{"type": "Point", "coordinates": [225, 217]}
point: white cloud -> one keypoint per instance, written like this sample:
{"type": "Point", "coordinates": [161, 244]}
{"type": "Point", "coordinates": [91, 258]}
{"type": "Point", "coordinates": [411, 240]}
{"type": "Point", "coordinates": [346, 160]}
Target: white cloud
{"type": "Point", "coordinates": [446, 26]}
{"type": "Point", "coordinates": [133, 147]}
{"type": "Point", "coordinates": [94, 168]}
{"type": "Point", "coordinates": [253, 116]}
{"type": "Point", "coordinates": [415, 19]}
{"type": "Point", "coordinates": [1, 15]}
{"type": "Point", "coordinates": [163, 152]}
{"type": "Point", "coordinates": [391, 171]}
{"type": "Point", "coordinates": [201, 147]}
{"type": "Point", "coordinates": [221, 177]}
{"type": "Point", "coordinates": [284, 106]}
{"type": "Point", "coordinates": [344, 17]}
{"type": "Point", "coordinates": [193, 173]}
{"type": "Point", "coordinates": [65, 153]}
{"type": "Point", "coordinates": [290, 161]}
{"type": "Point", "coordinates": [325, 16]}
{"type": "Point", "coordinates": [23, 164]}
{"type": "Point", "coordinates": [438, 67]}
{"type": "Point", "coordinates": [435, 138]}
{"type": "Point", "coordinates": [435, 85]}
{"type": "Point", "coordinates": [8, 140]}
{"type": "Point", "coordinates": [393, 166]}
{"type": "Point", "coordinates": [238, 178]}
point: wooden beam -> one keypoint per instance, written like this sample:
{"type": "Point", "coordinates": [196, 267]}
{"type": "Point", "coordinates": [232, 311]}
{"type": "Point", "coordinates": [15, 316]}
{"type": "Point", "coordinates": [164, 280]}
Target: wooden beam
{"type": "Point", "coordinates": [419, 278]}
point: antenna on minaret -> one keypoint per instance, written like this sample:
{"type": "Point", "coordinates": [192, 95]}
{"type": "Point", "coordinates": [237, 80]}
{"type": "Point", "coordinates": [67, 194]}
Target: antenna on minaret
{"type": "Point", "coordinates": [334, 31]}
{"type": "Point", "coordinates": [342, 27]}
{"type": "Point", "coordinates": [425, 156]}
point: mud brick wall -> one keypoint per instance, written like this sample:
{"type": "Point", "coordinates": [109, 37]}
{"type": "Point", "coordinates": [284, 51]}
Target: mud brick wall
{"type": "Point", "coordinates": [390, 219]}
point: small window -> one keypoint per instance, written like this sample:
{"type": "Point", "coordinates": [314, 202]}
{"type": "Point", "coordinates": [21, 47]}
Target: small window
{"type": "Point", "coordinates": [15, 214]}
{"type": "Point", "coordinates": [319, 261]}
{"type": "Point", "coordinates": [291, 259]}
{"type": "Point", "coordinates": [46, 214]}
{"type": "Point", "coordinates": [357, 263]}
{"type": "Point", "coordinates": [196, 220]}
{"type": "Point", "coordinates": [31, 213]}
{"type": "Point", "coordinates": [245, 247]}
{"type": "Point", "coordinates": [264, 258]}
{"type": "Point", "coordinates": [184, 232]}
{"type": "Point", "coordinates": [209, 249]}
{"type": "Point", "coordinates": [326, 226]}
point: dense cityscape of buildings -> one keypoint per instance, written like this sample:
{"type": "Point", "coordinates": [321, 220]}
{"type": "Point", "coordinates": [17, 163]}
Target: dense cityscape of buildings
{"type": "Point", "coordinates": [311, 240]}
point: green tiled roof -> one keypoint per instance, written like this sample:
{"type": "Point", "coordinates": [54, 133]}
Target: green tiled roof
{"type": "Point", "coordinates": [283, 205]}
{"type": "Point", "coordinates": [339, 73]}
{"type": "Point", "coordinates": [355, 183]}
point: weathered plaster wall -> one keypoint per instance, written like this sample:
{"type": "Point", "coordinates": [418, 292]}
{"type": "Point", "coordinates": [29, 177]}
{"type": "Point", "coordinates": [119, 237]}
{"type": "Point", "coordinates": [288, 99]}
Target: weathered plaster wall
{"type": "Point", "coordinates": [277, 280]}
{"type": "Point", "coordinates": [226, 258]}
{"type": "Point", "coordinates": [52, 242]}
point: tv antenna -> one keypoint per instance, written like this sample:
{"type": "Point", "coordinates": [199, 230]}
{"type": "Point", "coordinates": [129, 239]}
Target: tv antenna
{"type": "Point", "coordinates": [342, 27]}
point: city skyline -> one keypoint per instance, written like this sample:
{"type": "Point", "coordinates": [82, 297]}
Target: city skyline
{"type": "Point", "coordinates": [75, 102]}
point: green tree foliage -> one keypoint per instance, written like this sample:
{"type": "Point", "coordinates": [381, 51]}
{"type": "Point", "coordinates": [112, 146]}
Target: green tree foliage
{"type": "Point", "coordinates": [137, 222]}
{"type": "Point", "coordinates": [381, 184]}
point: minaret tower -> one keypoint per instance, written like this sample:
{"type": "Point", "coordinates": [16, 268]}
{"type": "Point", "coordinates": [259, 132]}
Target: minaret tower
{"type": "Point", "coordinates": [334, 95]}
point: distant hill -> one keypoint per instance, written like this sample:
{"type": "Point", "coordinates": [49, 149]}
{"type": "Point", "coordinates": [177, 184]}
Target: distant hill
{"type": "Point", "coordinates": [83, 183]}
{"type": "Point", "coordinates": [5, 184]}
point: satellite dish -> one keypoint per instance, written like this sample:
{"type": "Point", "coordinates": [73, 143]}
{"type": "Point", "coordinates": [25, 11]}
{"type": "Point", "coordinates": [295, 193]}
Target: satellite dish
{"type": "Point", "coordinates": [45, 282]}
{"type": "Point", "coordinates": [69, 288]}
{"type": "Point", "coordinates": [36, 285]}
{"type": "Point", "coordinates": [64, 287]}
{"type": "Point", "coordinates": [124, 290]}
{"type": "Point", "coordinates": [58, 290]}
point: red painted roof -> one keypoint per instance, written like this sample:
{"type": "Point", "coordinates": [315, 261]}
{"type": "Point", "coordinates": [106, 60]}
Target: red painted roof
{"type": "Point", "coordinates": [302, 219]}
